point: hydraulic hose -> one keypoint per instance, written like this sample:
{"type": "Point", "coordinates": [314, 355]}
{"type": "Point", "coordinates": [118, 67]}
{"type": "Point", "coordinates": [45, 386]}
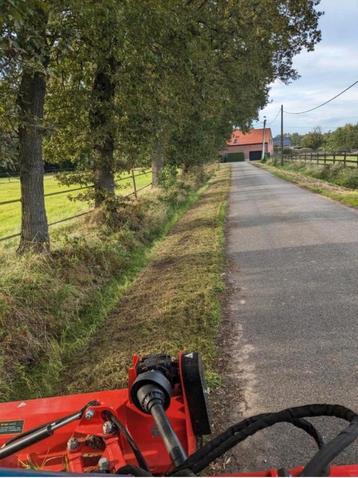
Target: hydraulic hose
{"type": "Point", "coordinates": [240, 431]}
{"type": "Point", "coordinates": [131, 442]}
{"type": "Point", "coordinates": [318, 464]}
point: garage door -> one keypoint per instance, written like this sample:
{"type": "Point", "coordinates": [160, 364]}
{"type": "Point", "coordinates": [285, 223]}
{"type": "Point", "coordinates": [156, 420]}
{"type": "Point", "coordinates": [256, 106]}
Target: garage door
{"type": "Point", "coordinates": [255, 155]}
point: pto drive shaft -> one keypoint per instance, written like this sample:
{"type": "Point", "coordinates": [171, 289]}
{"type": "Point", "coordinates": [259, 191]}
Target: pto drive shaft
{"type": "Point", "coordinates": [151, 394]}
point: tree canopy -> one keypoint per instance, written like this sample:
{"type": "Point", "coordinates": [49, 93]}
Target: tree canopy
{"type": "Point", "coordinates": [110, 85]}
{"type": "Point", "coordinates": [344, 138]}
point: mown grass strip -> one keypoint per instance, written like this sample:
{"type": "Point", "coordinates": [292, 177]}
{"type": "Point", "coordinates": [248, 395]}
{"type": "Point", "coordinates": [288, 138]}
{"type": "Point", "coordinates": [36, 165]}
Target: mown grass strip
{"type": "Point", "coordinates": [52, 307]}
{"type": "Point", "coordinates": [344, 195]}
{"type": "Point", "coordinates": [172, 305]}
{"type": "Point", "coordinates": [47, 377]}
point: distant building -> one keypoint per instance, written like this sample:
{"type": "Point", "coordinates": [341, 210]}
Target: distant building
{"type": "Point", "coordinates": [247, 146]}
{"type": "Point", "coordinates": [287, 143]}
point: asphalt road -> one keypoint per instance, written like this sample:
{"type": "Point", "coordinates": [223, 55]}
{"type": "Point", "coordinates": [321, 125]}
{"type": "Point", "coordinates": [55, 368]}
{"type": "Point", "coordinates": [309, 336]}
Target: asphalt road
{"type": "Point", "coordinates": [292, 310]}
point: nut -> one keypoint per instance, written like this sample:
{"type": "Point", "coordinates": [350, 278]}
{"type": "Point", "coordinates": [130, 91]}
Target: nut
{"type": "Point", "coordinates": [89, 414]}
{"type": "Point", "coordinates": [103, 464]}
{"type": "Point", "coordinates": [72, 444]}
{"type": "Point", "coordinates": [108, 427]}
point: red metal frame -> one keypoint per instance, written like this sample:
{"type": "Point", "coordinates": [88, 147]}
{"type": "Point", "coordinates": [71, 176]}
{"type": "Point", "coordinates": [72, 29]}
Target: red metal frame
{"type": "Point", "coordinates": [52, 454]}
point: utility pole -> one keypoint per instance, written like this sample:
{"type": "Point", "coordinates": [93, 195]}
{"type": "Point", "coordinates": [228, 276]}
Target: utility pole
{"type": "Point", "coordinates": [263, 140]}
{"type": "Point", "coordinates": [281, 135]}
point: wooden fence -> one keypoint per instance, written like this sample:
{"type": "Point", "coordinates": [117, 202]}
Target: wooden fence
{"type": "Point", "coordinates": [323, 158]}
{"type": "Point", "coordinates": [131, 177]}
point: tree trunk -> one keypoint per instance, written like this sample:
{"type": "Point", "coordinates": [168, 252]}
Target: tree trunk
{"type": "Point", "coordinates": [157, 164]}
{"type": "Point", "coordinates": [103, 130]}
{"type": "Point", "coordinates": [31, 99]}
{"type": "Point", "coordinates": [104, 180]}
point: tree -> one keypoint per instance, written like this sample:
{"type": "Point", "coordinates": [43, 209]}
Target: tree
{"type": "Point", "coordinates": [313, 139]}
{"type": "Point", "coordinates": [26, 53]}
{"type": "Point", "coordinates": [344, 138]}
{"type": "Point", "coordinates": [296, 139]}
{"type": "Point", "coordinates": [129, 81]}
{"type": "Point", "coordinates": [186, 73]}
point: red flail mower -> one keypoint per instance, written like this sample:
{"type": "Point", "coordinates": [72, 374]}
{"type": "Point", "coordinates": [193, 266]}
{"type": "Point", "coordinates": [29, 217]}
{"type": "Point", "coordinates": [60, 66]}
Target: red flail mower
{"type": "Point", "coordinates": [153, 427]}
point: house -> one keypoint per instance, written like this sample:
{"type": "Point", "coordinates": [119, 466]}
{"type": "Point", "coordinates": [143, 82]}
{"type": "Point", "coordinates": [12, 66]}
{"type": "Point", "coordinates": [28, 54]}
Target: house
{"type": "Point", "coordinates": [247, 146]}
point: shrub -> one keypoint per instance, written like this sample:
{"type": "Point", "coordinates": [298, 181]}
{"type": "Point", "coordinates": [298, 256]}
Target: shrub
{"type": "Point", "coordinates": [348, 178]}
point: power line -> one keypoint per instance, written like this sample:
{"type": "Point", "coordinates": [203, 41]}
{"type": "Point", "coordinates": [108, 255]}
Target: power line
{"type": "Point", "coordinates": [275, 118]}
{"type": "Point", "coordinates": [322, 104]}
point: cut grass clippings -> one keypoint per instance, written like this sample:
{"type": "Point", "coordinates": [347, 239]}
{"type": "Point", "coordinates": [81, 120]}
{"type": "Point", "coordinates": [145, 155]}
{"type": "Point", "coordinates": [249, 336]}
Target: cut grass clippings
{"type": "Point", "coordinates": [344, 195]}
{"type": "Point", "coordinates": [173, 304]}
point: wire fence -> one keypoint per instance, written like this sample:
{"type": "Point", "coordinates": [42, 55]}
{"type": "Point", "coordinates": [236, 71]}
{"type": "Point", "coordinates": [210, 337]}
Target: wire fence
{"type": "Point", "coordinates": [14, 175]}
{"type": "Point", "coordinates": [135, 192]}
{"type": "Point", "coordinates": [323, 158]}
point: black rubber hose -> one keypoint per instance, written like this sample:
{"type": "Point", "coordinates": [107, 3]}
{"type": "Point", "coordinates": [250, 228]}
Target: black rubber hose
{"type": "Point", "coordinates": [302, 424]}
{"type": "Point", "coordinates": [319, 463]}
{"type": "Point", "coordinates": [143, 465]}
{"type": "Point", "coordinates": [307, 427]}
{"type": "Point", "coordinates": [240, 431]}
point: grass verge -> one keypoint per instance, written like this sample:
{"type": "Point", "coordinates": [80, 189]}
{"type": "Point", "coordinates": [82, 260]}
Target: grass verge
{"type": "Point", "coordinates": [306, 177]}
{"type": "Point", "coordinates": [55, 309]}
{"type": "Point", "coordinates": [172, 305]}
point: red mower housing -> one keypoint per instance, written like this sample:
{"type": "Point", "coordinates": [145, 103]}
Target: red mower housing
{"type": "Point", "coordinates": [111, 431]}
{"type": "Point", "coordinates": [78, 446]}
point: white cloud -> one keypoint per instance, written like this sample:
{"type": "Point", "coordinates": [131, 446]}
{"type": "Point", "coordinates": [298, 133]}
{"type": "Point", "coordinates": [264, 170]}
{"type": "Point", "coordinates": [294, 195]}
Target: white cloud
{"type": "Point", "coordinates": [326, 71]}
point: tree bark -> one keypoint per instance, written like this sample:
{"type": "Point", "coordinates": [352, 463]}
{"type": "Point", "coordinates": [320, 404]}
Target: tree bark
{"type": "Point", "coordinates": [31, 99]}
{"type": "Point", "coordinates": [103, 130]}
{"type": "Point", "coordinates": [157, 164]}
{"type": "Point", "coordinates": [104, 180]}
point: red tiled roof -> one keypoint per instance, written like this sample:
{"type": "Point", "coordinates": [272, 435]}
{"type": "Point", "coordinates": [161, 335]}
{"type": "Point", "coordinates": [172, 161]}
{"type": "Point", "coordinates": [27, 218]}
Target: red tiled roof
{"type": "Point", "coordinates": [254, 136]}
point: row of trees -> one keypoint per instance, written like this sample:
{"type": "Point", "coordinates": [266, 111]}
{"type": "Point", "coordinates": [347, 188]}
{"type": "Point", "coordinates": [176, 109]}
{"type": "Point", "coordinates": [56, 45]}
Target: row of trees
{"type": "Point", "coordinates": [114, 84]}
{"type": "Point", "coordinates": [344, 138]}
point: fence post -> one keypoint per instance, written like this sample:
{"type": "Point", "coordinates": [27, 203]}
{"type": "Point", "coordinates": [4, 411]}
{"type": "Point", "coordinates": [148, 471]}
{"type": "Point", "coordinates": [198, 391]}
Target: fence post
{"type": "Point", "coordinates": [334, 158]}
{"type": "Point", "coordinates": [134, 185]}
{"type": "Point", "coordinates": [325, 158]}
{"type": "Point", "coordinates": [317, 158]}
{"type": "Point", "coordinates": [345, 159]}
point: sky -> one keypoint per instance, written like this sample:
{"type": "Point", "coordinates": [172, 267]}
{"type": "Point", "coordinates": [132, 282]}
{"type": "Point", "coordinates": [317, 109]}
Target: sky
{"type": "Point", "coordinates": [330, 68]}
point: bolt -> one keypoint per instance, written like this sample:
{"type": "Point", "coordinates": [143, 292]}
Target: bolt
{"type": "Point", "coordinates": [89, 414]}
{"type": "Point", "coordinates": [109, 427]}
{"type": "Point", "coordinates": [72, 444]}
{"type": "Point", "coordinates": [103, 465]}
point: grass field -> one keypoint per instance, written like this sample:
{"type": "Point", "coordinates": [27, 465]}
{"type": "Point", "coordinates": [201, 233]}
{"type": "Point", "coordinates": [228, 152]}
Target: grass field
{"type": "Point", "coordinates": [57, 207]}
